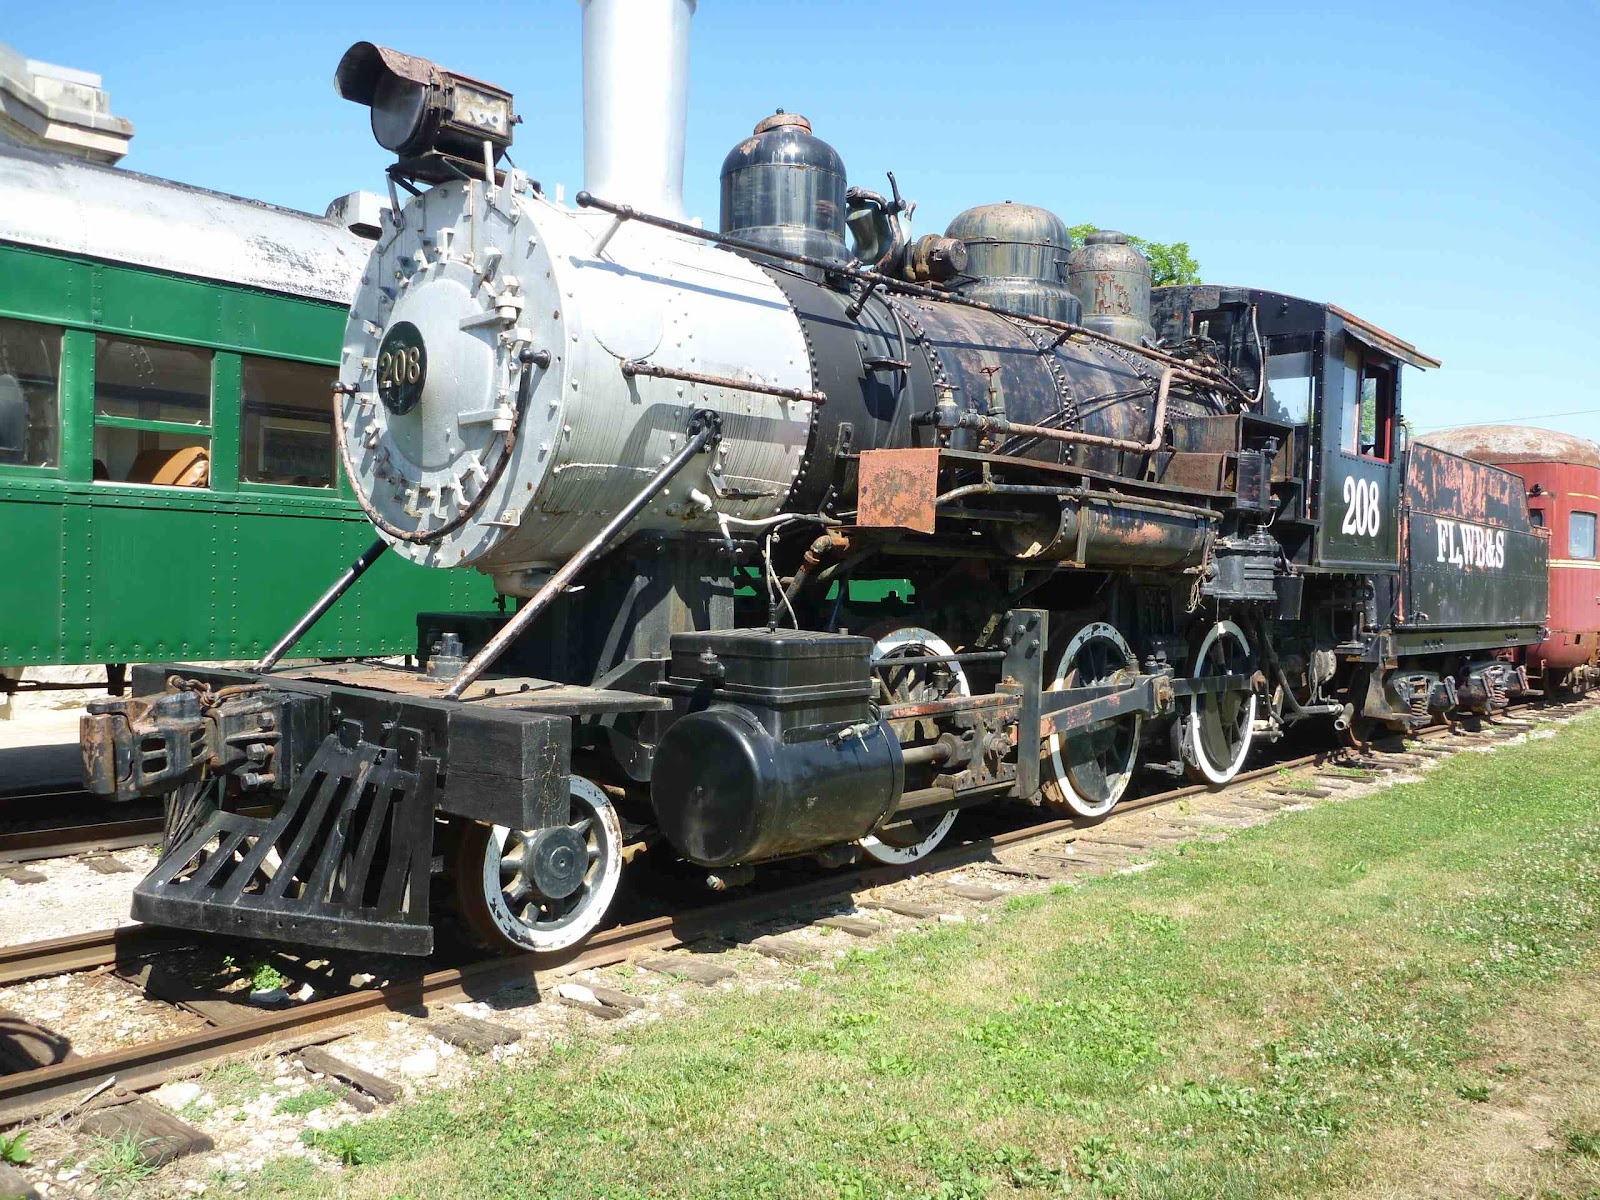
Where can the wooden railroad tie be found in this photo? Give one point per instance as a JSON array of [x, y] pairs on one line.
[[860, 927], [783, 949], [469, 1033], [105, 864], [159, 1136], [606, 1003], [905, 908], [315, 1058], [691, 967]]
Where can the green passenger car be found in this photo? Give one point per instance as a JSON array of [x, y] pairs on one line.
[[168, 488]]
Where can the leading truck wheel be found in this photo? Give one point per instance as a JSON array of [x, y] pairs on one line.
[[542, 890], [1086, 773], [1219, 726], [907, 841]]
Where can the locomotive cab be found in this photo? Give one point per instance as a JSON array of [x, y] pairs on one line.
[[1334, 381]]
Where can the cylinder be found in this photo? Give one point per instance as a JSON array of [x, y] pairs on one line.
[[784, 187], [1017, 258], [635, 101], [1111, 279]]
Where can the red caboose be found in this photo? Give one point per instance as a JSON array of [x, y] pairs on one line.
[[1562, 473]]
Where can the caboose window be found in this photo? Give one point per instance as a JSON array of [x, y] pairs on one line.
[[1580, 535], [287, 428], [152, 412], [30, 393]]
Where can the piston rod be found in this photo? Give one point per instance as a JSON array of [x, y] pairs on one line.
[[328, 599], [704, 430]]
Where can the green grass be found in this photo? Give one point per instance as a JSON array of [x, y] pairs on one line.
[[309, 1101], [117, 1164], [1264, 1016], [229, 1085]]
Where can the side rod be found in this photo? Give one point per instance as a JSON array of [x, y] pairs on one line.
[[318, 610], [703, 431]]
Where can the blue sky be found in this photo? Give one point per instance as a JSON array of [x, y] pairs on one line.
[[1433, 167]]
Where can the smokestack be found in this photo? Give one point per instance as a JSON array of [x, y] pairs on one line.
[[635, 101]]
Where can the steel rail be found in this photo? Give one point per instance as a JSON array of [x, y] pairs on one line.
[[59, 841]]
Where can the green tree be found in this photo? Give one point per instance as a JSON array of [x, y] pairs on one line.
[[1170, 262]]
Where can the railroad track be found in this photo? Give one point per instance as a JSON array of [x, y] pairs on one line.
[[32, 845], [147, 1065]]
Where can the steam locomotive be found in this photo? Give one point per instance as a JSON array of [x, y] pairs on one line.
[[819, 531]]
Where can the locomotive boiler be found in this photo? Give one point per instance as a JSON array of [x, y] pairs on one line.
[[811, 532]]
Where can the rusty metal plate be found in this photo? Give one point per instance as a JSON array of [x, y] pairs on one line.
[[895, 489]]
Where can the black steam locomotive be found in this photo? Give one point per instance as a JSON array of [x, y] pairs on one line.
[[821, 532]]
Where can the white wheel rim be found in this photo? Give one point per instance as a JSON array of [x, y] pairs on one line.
[[908, 638], [1195, 746], [595, 895], [1079, 804]]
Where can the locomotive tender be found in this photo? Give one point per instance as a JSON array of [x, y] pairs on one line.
[[820, 532], [1562, 476]]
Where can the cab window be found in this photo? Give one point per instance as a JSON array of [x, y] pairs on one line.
[[1290, 385], [1367, 416]]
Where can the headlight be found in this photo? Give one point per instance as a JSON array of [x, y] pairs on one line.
[[424, 113]]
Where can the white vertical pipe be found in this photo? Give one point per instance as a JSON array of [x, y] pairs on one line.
[[635, 101]]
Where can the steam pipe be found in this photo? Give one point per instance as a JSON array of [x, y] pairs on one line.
[[637, 366], [987, 424], [704, 429], [1206, 377], [1120, 499], [318, 610]]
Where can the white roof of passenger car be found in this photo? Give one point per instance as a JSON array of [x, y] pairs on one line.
[[62, 204]]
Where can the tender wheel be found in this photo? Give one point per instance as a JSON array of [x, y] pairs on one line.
[[544, 890], [1086, 773], [1219, 726], [910, 839]]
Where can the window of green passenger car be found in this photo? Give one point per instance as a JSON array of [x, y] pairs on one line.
[[286, 427], [30, 393], [152, 412]]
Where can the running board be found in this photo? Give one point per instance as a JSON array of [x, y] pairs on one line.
[[344, 863]]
